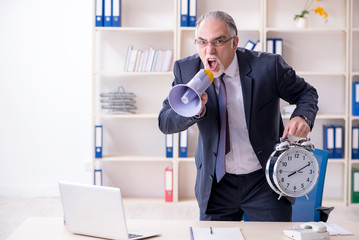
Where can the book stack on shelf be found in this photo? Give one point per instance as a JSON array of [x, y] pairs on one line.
[[118, 101], [149, 60]]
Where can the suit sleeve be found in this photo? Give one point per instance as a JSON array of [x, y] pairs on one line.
[[168, 120], [296, 90]]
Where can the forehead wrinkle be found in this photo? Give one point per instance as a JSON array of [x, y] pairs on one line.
[[219, 37]]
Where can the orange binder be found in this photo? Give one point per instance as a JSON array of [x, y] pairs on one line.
[[168, 185]]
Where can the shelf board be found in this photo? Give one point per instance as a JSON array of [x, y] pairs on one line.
[[133, 29], [123, 73], [354, 117], [306, 30], [128, 116], [354, 161], [187, 159], [118, 158], [355, 73], [336, 160], [323, 116], [300, 73], [190, 29]]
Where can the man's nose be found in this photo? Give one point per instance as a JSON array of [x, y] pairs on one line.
[[210, 49]]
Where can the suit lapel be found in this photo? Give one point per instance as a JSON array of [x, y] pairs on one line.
[[247, 83]]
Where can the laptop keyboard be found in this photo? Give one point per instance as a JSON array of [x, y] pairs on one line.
[[133, 235]]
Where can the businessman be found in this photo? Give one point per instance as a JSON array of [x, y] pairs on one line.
[[239, 122]]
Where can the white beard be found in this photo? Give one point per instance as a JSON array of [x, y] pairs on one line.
[[219, 64]]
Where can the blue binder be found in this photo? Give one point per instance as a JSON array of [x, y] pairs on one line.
[[338, 146], [183, 142], [270, 45], [355, 143], [98, 141], [116, 13], [99, 13], [169, 145], [107, 13], [184, 13], [328, 140], [192, 13], [278, 46], [355, 103], [250, 45], [97, 177]]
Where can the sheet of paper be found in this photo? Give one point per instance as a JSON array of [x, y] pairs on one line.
[[217, 233], [335, 229]]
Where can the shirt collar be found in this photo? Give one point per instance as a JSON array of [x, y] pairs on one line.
[[233, 67]]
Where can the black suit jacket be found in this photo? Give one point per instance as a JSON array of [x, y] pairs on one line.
[[265, 78]]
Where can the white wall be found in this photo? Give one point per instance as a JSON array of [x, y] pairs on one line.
[[45, 95]]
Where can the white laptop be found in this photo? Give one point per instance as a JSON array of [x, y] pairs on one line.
[[96, 211]]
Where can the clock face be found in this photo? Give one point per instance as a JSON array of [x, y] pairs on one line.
[[296, 172]]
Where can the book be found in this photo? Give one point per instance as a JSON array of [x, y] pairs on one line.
[[355, 186], [168, 185]]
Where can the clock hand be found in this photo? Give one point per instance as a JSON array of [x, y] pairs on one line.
[[298, 170]]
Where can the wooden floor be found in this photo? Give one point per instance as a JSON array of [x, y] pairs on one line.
[[13, 211]]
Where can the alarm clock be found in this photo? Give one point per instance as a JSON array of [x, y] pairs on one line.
[[292, 169]]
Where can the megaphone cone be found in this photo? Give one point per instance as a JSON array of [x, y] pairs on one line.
[[185, 99]]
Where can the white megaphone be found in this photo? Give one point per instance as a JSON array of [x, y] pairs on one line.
[[185, 99]]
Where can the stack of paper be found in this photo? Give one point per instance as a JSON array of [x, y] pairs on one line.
[[118, 101]]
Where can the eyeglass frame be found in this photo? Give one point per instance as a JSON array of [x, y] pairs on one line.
[[213, 42]]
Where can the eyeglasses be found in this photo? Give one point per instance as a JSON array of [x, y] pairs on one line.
[[215, 43]]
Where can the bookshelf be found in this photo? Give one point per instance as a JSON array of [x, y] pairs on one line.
[[134, 148], [354, 77]]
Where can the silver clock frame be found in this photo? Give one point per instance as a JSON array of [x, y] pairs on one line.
[[276, 157]]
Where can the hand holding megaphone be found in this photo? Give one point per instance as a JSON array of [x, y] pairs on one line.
[[185, 99]]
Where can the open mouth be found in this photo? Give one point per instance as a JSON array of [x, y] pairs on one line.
[[212, 63]]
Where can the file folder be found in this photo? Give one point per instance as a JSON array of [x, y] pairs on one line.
[[97, 178], [184, 13], [355, 143], [249, 45], [107, 13], [99, 13], [169, 145], [98, 141], [355, 99], [97, 174], [278, 46], [183, 141], [328, 140], [338, 147], [258, 46], [355, 186], [270, 45], [168, 185], [192, 13], [116, 13]]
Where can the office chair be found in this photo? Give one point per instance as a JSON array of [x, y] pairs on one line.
[[306, 210], [309, 210]]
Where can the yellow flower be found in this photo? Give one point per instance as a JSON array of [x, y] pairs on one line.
[[321, 11], [307, 10]]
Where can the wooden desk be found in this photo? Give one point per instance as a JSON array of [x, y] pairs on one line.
[[53, 228]]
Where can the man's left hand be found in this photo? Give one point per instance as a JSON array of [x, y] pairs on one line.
[[297, 127]]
